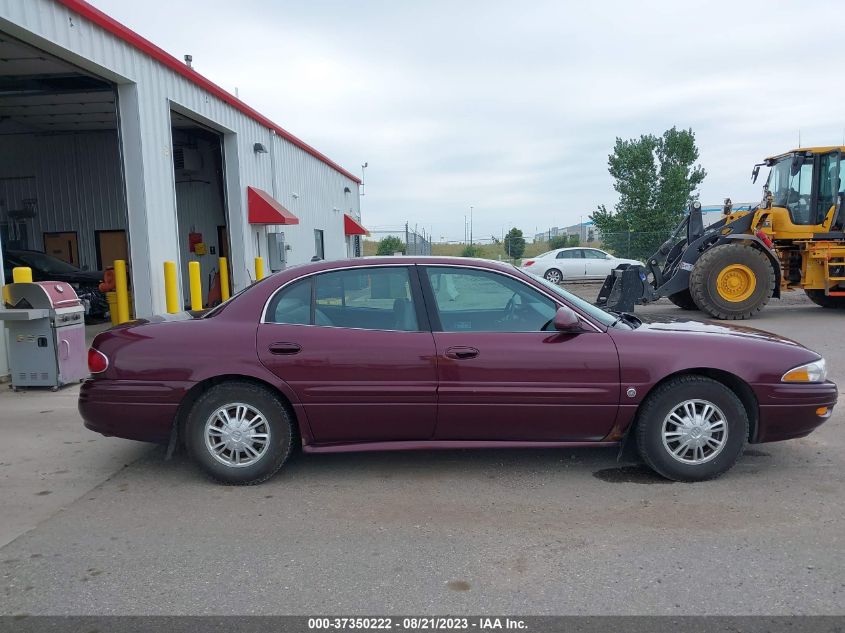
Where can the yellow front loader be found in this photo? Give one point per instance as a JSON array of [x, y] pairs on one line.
[[792, 240]]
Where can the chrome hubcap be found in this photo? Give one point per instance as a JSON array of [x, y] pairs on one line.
[[237, 435], [695, 432], [553, 276]]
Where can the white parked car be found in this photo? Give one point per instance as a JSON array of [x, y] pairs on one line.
[[574, 264]]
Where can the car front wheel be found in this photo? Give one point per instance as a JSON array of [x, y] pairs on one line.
[[239, 432], [553, 275], [691, 428]]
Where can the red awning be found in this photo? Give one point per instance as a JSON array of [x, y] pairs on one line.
[[264, 209], [352, 227]]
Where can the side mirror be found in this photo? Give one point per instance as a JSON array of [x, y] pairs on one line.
[[566, 320]]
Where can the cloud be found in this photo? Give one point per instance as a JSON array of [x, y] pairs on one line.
[[512, 108]]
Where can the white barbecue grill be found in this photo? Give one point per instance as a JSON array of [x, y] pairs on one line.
[[46, 323]]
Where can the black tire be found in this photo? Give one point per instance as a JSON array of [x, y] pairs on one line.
[[821, 299], [279, 426], [663, 401], [552, 274], [704, 281], [683, 300]]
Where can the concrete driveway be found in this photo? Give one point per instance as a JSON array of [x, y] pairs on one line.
[[522, 532]]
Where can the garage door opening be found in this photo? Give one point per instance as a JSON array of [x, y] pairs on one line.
[[61, 176], [200, 203]]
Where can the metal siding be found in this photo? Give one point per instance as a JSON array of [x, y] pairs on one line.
[[146, 152], [76, 180]]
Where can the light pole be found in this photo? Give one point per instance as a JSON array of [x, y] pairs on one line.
[[470, 225], [363, 167]]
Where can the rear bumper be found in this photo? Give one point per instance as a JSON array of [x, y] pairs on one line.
[[788, 411], [131, 409]]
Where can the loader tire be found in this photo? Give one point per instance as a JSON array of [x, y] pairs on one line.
[[821, 299], [683, 300], [732, 281]]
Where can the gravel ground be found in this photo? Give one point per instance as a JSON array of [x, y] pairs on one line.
[[522, 532]]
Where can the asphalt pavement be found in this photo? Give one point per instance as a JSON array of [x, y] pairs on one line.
[[520, 532]]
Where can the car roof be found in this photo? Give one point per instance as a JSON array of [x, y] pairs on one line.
[[392, 260]]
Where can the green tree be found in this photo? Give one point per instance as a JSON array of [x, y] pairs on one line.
[[514, 243], [558, 241], [656, 178], [574, 240], [389, 245], [471, 250]]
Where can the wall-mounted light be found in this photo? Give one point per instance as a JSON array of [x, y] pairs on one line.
[[347, 190], [294, 195], [259, 148], [335, 209]]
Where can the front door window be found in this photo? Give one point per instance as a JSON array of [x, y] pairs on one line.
[[478, 301]]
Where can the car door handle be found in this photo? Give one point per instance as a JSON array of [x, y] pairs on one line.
[[284, 348], [461, 353]]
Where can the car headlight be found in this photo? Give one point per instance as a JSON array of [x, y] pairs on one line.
[[811, 372]]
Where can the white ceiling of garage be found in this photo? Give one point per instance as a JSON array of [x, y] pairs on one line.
[[40, 93]]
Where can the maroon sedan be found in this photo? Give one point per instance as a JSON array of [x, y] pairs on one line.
[[410, 353]]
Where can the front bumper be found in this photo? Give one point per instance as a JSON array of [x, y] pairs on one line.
[[789, 410]]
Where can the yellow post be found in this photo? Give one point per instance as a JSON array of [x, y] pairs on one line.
[[121, 287], [171, 295], [22, 275], [259, 268], [224, 279], [196, 285], [111, 298]]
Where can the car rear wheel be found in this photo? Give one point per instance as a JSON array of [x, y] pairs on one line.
[[553, 275], [691, 428], [239, 432]]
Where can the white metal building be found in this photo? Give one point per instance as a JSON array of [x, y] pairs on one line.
[[111, 148]]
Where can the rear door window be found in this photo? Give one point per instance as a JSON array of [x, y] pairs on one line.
[[291, 305], [366, 298], [574, 254]]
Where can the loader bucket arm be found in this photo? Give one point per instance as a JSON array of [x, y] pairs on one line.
[[628, 285]]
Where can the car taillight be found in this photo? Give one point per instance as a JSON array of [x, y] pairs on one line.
[[97, 361], [530, 262]]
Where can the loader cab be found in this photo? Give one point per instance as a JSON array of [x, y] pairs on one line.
[[803, 192]]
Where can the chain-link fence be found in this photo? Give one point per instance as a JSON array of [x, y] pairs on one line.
[[414, 243], [637, 245]]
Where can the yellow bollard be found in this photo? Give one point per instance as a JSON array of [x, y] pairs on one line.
[[122, 289], [224, 279], [22, 275], [195, 283], [259, 268], [111, 298], [171, 295]]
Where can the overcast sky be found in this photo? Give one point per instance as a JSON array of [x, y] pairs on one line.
[[513, 107]]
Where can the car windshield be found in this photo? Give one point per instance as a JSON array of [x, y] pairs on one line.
[[605, 318], [45, 263]]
